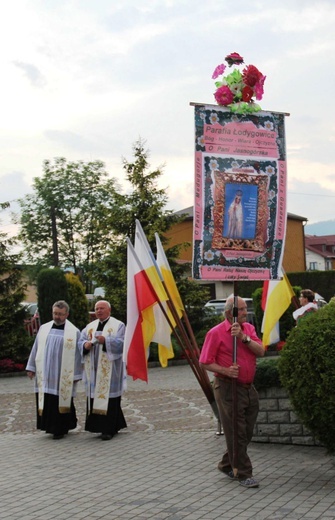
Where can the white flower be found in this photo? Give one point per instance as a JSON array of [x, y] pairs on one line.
[[209, 255], [201, 141], [213, 164], [268, 125], [270, 170], [214, 118]]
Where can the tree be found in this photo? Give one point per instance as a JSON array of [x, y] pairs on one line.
[[51, 287], [66, 221], [146, 203], [14, 341], [77, 301]]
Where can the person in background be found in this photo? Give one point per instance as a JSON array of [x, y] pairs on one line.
[[101, 343], [216, 356], [308, 305], [55, 362]]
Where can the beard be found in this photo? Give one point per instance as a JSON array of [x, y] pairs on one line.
[[59, 321]]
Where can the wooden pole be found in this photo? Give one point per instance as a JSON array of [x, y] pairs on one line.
[[190, 350], [234, 388]]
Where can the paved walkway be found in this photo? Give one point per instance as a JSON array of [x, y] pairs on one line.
[[162, 467]]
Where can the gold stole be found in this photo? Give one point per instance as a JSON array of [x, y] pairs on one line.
[[104, 368], [67, 367]]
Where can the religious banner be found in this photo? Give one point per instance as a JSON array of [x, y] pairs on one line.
[[240, 194]]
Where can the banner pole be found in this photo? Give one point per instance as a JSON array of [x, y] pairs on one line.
[[234, 387]]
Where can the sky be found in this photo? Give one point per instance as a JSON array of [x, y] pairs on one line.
[[84, 79]]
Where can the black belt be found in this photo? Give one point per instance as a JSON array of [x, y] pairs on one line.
[[229, 379]]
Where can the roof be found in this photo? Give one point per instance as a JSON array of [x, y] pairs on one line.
[[327, 240], [324, 254]]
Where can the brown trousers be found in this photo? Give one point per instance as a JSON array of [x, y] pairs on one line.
[[247, 411]]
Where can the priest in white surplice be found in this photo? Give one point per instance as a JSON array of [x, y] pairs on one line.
[[104, 374], [56, 361]]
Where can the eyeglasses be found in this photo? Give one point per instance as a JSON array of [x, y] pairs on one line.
[[60, 314]]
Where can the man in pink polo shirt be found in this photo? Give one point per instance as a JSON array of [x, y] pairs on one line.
[[217, 356]]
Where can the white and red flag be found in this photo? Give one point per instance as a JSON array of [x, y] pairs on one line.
[[141, 299]]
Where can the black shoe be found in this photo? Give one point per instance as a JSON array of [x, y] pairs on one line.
[[106, 437], [56, 437]]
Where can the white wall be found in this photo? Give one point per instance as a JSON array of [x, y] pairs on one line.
[[314, 257]]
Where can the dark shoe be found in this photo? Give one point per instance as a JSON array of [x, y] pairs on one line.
[[249, 482], [231, 475], [106, 437], [56, 437]]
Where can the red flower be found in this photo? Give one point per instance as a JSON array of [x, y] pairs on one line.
[[247, 93], [218, 71], [251, 75], [234, 58], [259, 88], [224, 96]]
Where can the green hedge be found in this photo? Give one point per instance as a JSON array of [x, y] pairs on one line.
[[267, 374], [307, 371]]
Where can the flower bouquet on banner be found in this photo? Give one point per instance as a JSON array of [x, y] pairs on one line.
[[238, 90]]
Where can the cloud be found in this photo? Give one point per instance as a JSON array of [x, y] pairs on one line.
[[13, 186], [68, 140], [89, 78], [32, 73]]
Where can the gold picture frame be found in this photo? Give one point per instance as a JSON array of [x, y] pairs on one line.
[[257, 243]]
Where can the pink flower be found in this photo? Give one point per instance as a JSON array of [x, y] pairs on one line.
[[224, 96], [251, 75], [234, 58], [247, 93], [259, 90], [218, 71]]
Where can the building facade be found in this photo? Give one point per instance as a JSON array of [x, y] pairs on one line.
[[320, 252]]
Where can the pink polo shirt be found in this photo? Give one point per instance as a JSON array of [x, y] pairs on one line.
[[218, 348]]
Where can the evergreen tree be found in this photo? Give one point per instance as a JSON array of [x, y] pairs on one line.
[[146, 202], [51, 287], [14, 341], [77, 301]]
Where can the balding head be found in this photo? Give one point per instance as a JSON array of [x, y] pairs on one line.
[[102, 310]]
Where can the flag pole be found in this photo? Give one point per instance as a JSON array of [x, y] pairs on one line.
[[191, 350], [234, 387], [191, 358]]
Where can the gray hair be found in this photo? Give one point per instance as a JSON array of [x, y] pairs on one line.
[[103, 301], [61, 304], [229, 303]]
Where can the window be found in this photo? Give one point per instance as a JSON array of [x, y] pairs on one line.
[[313, 266]]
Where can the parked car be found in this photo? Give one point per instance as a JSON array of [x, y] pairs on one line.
[[217, 307], [320, 301], [31, 308], [32, 323]]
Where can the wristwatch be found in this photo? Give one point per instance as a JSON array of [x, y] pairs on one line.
[[246, 339]]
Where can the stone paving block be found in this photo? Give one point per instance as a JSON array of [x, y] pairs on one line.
[[163, 467]]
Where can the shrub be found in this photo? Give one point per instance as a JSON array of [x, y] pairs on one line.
[[77, 301], [267, 374], [51, 287], [7, 365], [307, 371]]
